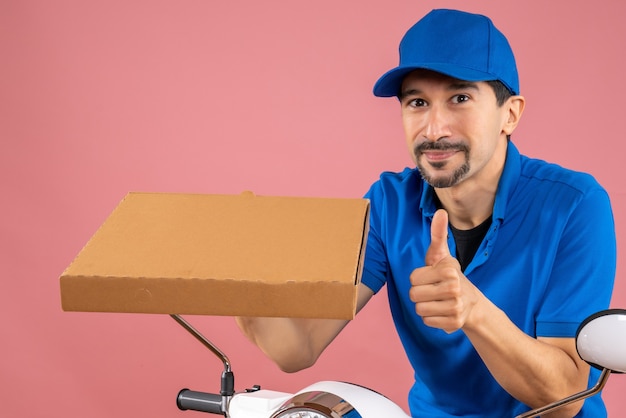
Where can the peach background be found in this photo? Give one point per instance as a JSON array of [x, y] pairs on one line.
[[98, 98]]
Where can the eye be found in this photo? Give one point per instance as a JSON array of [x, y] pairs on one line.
[[416, 103], [460, 98]]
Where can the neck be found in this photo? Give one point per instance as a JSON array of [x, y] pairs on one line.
[[466, 208]]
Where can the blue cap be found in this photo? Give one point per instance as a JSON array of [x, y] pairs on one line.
[[461, 45]]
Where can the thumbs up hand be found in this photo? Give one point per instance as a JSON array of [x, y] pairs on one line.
[[443, 296]]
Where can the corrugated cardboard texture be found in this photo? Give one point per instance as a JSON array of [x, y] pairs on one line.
[[240, 255]]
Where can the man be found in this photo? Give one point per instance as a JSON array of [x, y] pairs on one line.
[[491, 259]]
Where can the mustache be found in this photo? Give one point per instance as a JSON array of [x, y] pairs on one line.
[[439, 146]]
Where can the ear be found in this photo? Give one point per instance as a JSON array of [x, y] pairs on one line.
[[515, 107]]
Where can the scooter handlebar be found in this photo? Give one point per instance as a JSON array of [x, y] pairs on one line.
[[200, 401]]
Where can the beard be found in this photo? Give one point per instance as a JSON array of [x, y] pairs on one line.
[[429, 174]]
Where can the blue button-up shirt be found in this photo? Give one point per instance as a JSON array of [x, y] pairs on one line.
[[547, 260]]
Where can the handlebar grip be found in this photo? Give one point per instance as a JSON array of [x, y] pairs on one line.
[[199, 401]]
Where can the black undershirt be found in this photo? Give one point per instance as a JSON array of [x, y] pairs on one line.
[[468, 240]]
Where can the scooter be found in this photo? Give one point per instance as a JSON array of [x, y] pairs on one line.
[[600, 341]]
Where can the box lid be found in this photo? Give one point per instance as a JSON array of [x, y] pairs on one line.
[[240, 255]]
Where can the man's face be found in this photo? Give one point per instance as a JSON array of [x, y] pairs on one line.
[[454, 128]]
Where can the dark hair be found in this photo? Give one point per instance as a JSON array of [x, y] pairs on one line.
[[501, 91]]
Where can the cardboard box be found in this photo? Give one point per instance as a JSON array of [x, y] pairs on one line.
[[239, 255]]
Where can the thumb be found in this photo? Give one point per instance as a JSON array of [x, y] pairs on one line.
[[438, 238]]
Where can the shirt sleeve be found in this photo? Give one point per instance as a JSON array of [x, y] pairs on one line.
[[583, 273]]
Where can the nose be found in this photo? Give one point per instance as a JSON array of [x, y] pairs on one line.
[[436, 124]]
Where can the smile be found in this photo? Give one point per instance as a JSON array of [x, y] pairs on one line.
[[440, 151], [439, 155]]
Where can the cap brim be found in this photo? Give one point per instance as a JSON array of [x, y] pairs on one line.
[[390, 83]]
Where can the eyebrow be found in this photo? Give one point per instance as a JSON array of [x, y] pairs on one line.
[[454, 86], [462, 85]]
